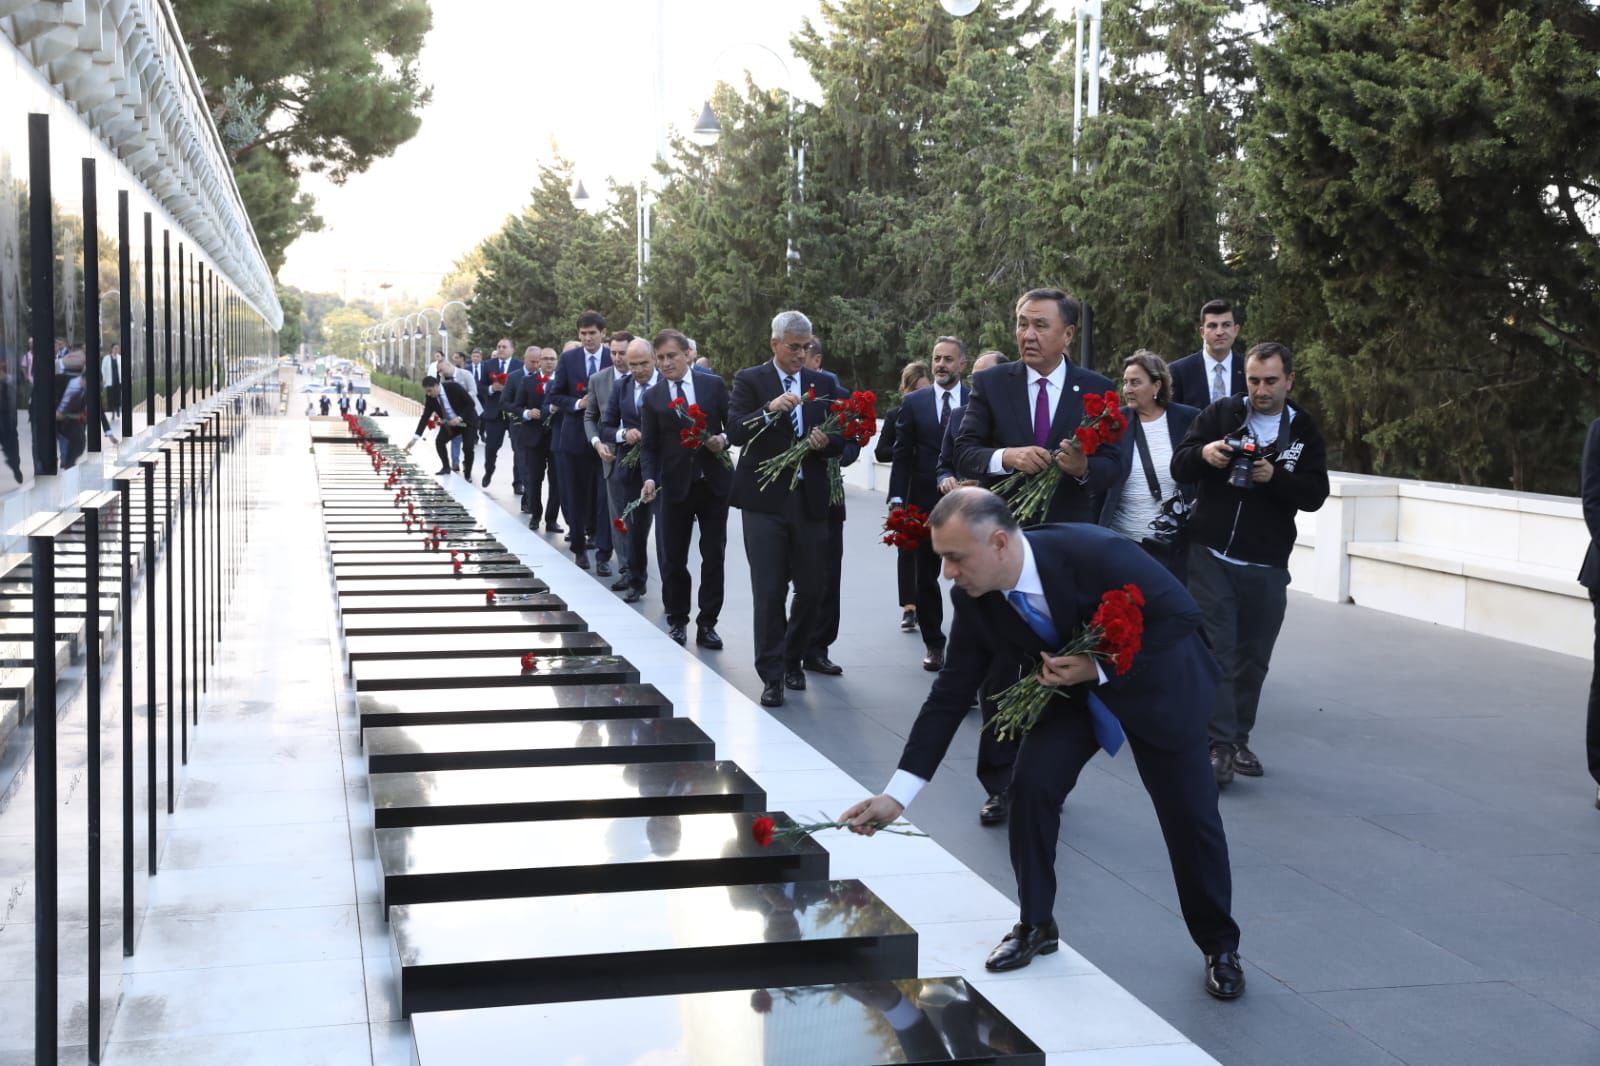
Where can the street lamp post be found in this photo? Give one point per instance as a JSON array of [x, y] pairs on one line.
[[444, 331]]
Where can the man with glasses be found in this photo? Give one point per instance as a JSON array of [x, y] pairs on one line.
[[774, 405], [1215, 372]]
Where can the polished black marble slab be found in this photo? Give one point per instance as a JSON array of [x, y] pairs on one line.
[[499, 626], [410, 544], [878, 1023], [440, 863], [373, 675], [497, 952], [414, 555], [436, 569], [611, 790], [511, 601], [547, 704], [421, 646], [485, 745], [476, 584]]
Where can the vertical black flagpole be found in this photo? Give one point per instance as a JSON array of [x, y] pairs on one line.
[[91, 306]]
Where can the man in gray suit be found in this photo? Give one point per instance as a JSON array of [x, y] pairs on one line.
[[600, 386]]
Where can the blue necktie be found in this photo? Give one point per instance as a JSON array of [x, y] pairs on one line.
[[1107, 730], [592, 361]]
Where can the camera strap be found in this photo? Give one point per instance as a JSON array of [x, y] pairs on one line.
[[1144, 459]]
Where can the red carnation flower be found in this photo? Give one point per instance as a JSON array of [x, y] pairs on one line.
[[619, 525], [761, 1001], [528, 660], [1094, 405], [1087, 439], [456, 566], [761, 830], [488, 596]]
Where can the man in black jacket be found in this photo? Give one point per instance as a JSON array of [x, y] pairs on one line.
[[1240, 537], [776, 404], [1589, 577], [457, 418]]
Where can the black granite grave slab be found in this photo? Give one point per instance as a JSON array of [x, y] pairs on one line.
[[440, 863], [409, 544], [434, 571], [489, 953], [421, 646], [377, 675], [455, 797], [414, 555], [436, 601], [475, 584], [880, 1023], [493, 625], [547, 704], [392, 749]]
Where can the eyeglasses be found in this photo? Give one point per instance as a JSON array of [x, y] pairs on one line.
[[796, 349]]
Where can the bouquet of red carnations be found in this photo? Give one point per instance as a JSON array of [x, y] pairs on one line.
[[906, 528], [694, 434], [854, 417], [1113, 635], [1029, 495]]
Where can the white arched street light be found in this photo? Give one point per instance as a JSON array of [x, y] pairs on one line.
[[959, 8]]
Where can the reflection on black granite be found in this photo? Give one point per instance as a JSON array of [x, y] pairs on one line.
[[506, 621], [448, 646], [380, 674], [458, 747], [876, 1023], [511, 704]]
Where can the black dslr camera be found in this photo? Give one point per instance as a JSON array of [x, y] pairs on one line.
[[1244, 450], [1165, 536]]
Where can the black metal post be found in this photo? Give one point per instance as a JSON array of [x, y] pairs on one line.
[[166, 312], [42, 290], [151, 712], [185, 488], [46, 1008], [171, 519], [91, 305], [125, 311], [91, 673], [125, 488]]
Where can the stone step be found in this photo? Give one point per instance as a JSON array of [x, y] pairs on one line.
[[879, 1023], [376, 675], [20, 653], [449, 646], [455, 797], [392, 749], [554, 703], [515, 599], [491, 953], [441, 863]]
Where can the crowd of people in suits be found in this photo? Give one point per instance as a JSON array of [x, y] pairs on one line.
[[1195, 506]]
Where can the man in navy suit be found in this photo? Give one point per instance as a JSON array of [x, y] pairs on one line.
[[945, 474], [583, 496], [692, 486], [621, 428], [913, 478], [1589, 577], [826, 629], [785, 520], [1216, 371], [490, 396], [530, 435], [1018, 596], [1022, 415]]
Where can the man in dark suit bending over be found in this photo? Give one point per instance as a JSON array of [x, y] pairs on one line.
[[457, 419], [1017, 598], [1021, 415]]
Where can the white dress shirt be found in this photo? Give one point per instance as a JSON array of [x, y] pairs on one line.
[[1054, 389]]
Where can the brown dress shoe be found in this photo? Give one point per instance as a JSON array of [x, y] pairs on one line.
[[933, 662], [1245, 763]]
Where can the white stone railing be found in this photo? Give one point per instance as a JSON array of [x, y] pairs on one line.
[[1488, 561], [123, 66]]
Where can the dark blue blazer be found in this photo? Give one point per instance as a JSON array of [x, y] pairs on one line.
[[1590, 574], [492, 400], [947, 448], [572, 370], [760, 439], [620, 413], [528, 392], [1190, 384], [999, 414], [1179, 418], [918, 437], [665, 460], [1165, 698]]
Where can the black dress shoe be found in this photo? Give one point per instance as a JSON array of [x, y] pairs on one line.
[[1225, 975], [619, 584], [1222, 763], [525, 509], [533, 523], [602, 569], [1597, 799], [442, 470], [456, 468], [821, 664], [933, 662], [995, 809], [706, 637], [1245, 763], [466, 471], [772, 694], [486, 479], [795, 679], [582, 559], [552, 527], [1022, 944], [633, 595], [677, 632], [516, 487]]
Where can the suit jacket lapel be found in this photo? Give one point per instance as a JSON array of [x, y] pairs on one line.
[[1019, 396], [1069, 412]]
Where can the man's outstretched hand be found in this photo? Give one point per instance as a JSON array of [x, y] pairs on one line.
[[866, 816]]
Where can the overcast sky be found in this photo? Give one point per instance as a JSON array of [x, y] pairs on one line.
[[513, 81]]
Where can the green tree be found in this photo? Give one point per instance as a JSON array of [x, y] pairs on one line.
[[304, 85], [341, 331], [1428, 171], [293, 333]]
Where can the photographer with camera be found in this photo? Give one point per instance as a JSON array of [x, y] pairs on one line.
[[1257, 461], [1146, 505]]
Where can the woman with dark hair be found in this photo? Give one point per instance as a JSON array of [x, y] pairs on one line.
[[913, 376], [1157, 425]]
